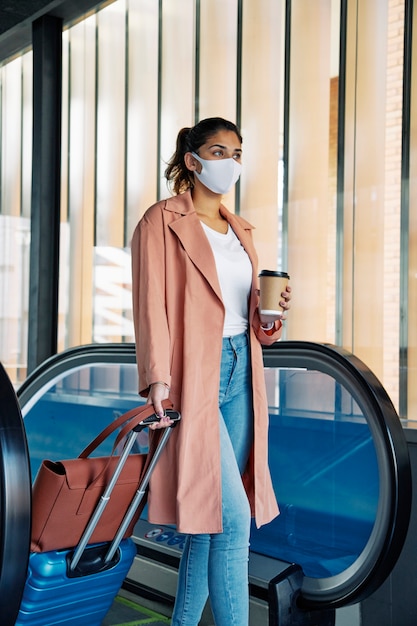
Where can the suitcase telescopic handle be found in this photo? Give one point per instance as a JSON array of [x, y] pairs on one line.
[[130, 440], [139, 495]]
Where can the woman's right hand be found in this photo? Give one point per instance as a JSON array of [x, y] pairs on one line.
[[159, 391]]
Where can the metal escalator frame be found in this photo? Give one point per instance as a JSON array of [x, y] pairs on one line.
[[375, 562], [384, 545]]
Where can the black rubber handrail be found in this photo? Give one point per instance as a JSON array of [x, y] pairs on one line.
[[73, 358], [15, 503]]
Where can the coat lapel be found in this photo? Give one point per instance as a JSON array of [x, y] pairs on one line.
[[189, 231], [191, 234]]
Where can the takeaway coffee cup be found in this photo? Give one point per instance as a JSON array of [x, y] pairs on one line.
[[272, 284]]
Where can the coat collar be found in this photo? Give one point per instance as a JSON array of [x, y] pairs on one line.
[[190, 232], [183, 203]]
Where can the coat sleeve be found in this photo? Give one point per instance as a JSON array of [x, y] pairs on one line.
[[149, 305], [266, 338]]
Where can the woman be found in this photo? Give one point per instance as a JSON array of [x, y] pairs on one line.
[[198, 339]]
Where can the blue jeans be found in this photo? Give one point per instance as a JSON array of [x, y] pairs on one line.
[[217, 564]]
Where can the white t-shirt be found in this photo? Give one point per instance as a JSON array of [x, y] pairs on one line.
[[234, 271]]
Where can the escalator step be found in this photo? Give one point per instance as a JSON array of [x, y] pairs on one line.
[[124, 612]]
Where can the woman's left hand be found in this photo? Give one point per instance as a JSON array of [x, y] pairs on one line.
[[285, 302]]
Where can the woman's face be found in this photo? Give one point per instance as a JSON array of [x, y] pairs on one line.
[[224, 144]]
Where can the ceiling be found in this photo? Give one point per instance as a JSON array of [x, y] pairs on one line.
[[16, 17]]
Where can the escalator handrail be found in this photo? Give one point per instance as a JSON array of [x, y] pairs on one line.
[[60, 364], [15, 503]]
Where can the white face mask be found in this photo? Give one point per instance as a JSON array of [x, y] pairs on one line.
[[218, 175]]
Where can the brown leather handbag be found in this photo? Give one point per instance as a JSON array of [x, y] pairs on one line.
[[65, 493]]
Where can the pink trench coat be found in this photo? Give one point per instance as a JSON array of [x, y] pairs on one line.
[[178, 315]]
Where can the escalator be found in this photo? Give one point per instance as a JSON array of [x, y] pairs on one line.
[[338, 458]]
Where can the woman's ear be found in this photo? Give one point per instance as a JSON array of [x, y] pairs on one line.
[[191, 163]]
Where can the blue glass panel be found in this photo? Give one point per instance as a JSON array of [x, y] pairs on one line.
[[74, 409], [325, 475]]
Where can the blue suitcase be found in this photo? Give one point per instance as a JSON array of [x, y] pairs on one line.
[[53, 596], [78, 586]]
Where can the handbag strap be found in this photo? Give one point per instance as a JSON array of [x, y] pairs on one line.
[[133, 417]]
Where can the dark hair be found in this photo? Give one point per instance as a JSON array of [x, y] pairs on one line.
[[191, 140]]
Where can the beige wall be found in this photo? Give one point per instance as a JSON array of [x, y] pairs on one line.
[[120, 120]]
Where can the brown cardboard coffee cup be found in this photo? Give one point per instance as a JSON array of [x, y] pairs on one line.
[[272, 284]]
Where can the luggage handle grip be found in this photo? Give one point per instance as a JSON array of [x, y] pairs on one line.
[[153, 419]]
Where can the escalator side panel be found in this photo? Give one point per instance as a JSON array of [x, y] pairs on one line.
[[15, 503]]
